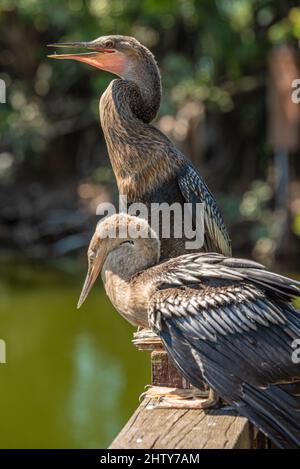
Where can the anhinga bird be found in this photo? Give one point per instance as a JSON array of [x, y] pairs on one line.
[[147, 165], [226, 320]]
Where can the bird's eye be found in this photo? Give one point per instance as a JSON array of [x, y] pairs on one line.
[[127, 241], [108, 44]]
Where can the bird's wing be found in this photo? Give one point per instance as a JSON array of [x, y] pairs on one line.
[[202, 268], [194, 190], [236, 336]]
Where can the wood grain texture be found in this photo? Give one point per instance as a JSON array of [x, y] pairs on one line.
[[183, 428], [164, 373]]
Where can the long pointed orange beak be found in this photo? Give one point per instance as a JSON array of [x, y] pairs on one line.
[[109, 60], [94, 270]]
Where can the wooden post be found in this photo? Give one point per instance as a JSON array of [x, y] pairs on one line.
[[158, 428], [163, 372]]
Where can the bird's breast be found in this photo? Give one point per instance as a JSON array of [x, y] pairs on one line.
[[129, 302]]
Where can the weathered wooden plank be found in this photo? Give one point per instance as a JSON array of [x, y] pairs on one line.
[[159, 428], [183, 428]]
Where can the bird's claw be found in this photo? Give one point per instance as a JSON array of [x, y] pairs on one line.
[[167, 397]]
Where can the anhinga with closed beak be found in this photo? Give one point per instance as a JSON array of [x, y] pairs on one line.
[[147, 165], [227, 320]]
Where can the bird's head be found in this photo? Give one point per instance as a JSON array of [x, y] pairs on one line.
[[121, 242], [121, 55]]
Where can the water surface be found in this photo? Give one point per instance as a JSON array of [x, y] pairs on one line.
[[72, 377]]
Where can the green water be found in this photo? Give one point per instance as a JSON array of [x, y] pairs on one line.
[[72, 378]]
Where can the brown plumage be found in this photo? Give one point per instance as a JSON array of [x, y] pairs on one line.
[[147, 165], [226, 320]]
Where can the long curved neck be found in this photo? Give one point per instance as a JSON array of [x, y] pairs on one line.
[[136, 148], [126, 293], [147, 94], [139, 90], [144, 74]]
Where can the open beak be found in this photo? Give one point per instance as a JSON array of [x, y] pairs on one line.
[[110, 60], [92, 274]]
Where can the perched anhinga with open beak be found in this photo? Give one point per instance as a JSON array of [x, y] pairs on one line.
[[226, 320], [147, 165]]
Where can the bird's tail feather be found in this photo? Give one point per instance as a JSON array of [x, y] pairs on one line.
[[276, 411]]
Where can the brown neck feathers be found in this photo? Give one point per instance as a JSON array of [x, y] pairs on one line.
[[136, 148]]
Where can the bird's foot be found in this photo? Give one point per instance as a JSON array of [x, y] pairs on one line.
[[161, 392], [177, 398]]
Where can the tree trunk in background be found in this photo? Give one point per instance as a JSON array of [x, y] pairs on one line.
[[284, 119]]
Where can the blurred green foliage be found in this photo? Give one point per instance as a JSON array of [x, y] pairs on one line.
[[215, 52]]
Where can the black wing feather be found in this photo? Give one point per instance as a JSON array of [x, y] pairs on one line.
[[235, 330], [194, 190]]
